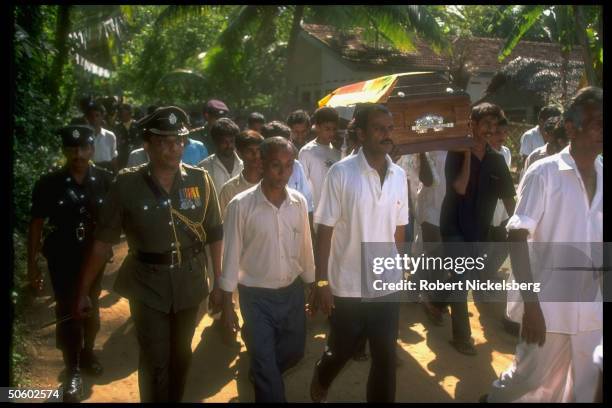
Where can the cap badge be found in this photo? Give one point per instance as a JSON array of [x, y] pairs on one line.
[[172, 119], [76, 134]]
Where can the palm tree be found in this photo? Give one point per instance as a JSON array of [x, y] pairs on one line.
[[398, 25], [565, 25]]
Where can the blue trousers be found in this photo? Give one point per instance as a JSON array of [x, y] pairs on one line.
[[274, 332]]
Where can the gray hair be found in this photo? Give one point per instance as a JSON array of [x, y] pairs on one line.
[[591, 95]]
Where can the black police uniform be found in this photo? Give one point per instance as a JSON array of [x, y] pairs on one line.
[[163, 276], [71, 210]]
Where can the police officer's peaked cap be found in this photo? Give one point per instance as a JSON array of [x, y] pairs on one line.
[[166, 121], [217, 107], [77, 135]]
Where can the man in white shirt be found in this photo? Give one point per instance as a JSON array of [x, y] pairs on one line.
[[247, 146], [268, 256], [560, 201], [298, 180], [318, 155], [364, 199], [105, 142], [532, 139], [224, 163], [555, 138]]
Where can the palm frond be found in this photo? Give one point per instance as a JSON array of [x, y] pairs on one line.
[[527, 16], [177, 13]]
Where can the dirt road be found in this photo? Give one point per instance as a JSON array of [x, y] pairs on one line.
[[430, 370]]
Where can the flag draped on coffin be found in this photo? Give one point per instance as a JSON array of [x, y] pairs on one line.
[[375, 90]]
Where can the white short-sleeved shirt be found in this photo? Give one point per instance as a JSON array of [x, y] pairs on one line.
[[316, 160], [553, 207], [265, 246], [360, 211], [531, 140], [105, 144], [500, 213], [429, 199], [218, 172]]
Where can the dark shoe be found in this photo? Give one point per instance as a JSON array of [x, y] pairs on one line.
[[483, 399], [317, 392], [90, 364], [360, 356], [464, 347], [434, 313], [73, 388]]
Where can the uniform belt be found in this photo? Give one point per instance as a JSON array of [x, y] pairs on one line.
[[167, 258]]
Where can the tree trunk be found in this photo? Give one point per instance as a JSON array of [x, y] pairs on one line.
[[564, 68], [298, 13], [584, 42], [61, 45]]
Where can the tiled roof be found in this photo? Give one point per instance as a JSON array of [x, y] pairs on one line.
[[481, 52]]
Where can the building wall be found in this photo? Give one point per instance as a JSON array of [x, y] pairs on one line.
[[478, 85], [320, 72]]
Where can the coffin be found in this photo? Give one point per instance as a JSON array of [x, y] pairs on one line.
[[427, 113]]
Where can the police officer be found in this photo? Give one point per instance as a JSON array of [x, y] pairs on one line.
[[168, 211], [69, 198]]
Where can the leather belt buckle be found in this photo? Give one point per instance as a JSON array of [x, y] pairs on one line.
[[174, 258], [80, 233]]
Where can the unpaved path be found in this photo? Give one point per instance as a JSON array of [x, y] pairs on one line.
[[430, 370]]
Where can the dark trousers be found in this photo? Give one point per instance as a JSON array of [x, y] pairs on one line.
[[165, 351], [350, 321], [457, 300], [274, 332], [72, 335]]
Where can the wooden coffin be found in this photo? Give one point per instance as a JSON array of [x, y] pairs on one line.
[[428, 115]]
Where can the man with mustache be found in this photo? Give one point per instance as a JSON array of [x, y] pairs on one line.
[[169, 212], [70, 198], [475, 180], [364, 199], [560, 202]]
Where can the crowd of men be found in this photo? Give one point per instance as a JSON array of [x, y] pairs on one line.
[[279, 211]]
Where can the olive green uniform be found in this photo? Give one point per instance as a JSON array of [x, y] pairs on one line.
[[163, 275]]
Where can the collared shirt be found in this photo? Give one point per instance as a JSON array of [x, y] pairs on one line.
[[105, 144], [360, 210], [553, 206], [218, 172], [68, 205], [230, 189], [429, 199], [411, 164], [194, 152], [266, 246], [317, 159], [150, 226], [500, 213], [469, 215], [531, 140], [539, 153], [299, 182]]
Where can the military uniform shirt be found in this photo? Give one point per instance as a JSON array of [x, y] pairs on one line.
[[58, 198], [150, 227]]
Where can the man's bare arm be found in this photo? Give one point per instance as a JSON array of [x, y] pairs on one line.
[[425, 173], [509, 205]]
